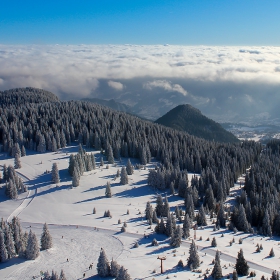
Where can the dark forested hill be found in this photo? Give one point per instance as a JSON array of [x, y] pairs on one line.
[[110, 103], [189, 119], [26, 95]]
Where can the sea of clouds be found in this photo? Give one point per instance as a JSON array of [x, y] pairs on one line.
[[212, 78]]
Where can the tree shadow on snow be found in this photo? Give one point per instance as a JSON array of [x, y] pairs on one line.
[[160, 250], [134, 192]]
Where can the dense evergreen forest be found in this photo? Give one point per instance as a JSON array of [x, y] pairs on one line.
[[49, 124]]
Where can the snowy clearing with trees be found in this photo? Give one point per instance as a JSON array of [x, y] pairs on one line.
[[76, 221]]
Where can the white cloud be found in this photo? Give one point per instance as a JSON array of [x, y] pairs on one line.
[[168, 86], [76, 69], [116, 85]]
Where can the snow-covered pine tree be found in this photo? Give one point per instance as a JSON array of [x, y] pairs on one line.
[[17, 163], [103, 266], [108, 192], [123, 274], [46, 238], [114, 268], [176, 238], [234, 275], [189, 206], [23, 151], [154, 217], [168, 226], [217, 269], [54, 275], [3, 250], [166, 208], [159, 206], [129, 168], [275, 275], [55, 174], [62, 275], [186, 227], [124, 177], [241, 265], [149, 211], [9, 241], [93, 161], [201, 217], [214, 242], [75, 179], [266, 227], [32, 248], [193, 260], [110, 155], [242, 223], [11, 190], [221, 221]]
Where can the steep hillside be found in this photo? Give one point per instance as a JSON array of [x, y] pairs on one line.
[[189, 119], [110, 103], [26, 95]]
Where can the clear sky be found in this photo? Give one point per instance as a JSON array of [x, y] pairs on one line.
[[188, 22]]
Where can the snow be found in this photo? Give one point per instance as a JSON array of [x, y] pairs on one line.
[[78, 234]]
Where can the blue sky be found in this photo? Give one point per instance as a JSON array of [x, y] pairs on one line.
[[207, 22]]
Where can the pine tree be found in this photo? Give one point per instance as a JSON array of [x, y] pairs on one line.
[[124, 177], [166, 208], [271, 253], [176, 238], [23, 151], [108, 190], [234, 275], [275, 275], [10, 245], [159, 206], [93, 161], [55, 174], [217, 269], [123, 274], [241, 265], [17, 163], [62, 275], [221, 221], [129, 168], [32, 249], [54, 275], [46, 239], [186, 226], [103, 266], [149, 211], [242, 223], [114, 269], [3, 250], [154, 218], [201, 217], [75, 178], [266, 227], [169, 227], [214, 242], [110, 155], [193, 260]]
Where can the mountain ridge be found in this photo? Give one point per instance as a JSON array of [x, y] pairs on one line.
[[189, 119]]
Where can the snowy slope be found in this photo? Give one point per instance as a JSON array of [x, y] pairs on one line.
[[69, 214]]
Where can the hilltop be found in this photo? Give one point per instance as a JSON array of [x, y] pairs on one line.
[[191, 120]]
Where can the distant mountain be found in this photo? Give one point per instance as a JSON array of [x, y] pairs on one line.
[[18, 96], [111, 104], [189, 119]]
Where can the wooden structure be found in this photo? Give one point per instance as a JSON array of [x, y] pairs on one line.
[[161, 265]]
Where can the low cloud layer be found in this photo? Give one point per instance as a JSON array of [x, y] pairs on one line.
[[204, 76]]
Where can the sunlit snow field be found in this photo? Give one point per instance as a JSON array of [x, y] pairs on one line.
[[78, 234]]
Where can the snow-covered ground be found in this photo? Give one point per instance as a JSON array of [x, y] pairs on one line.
[[78, 234]]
